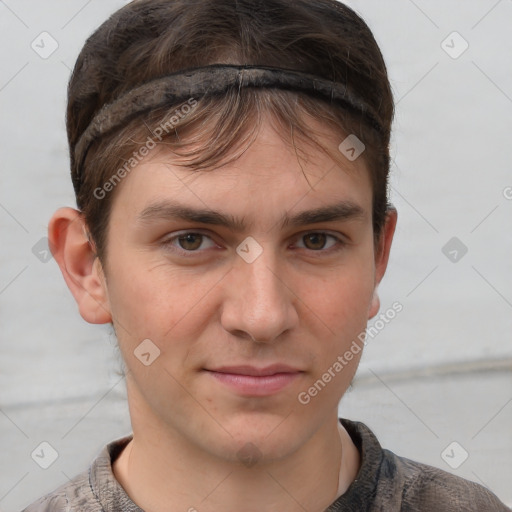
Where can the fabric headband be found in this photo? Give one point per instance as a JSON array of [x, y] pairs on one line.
[[203, 81]]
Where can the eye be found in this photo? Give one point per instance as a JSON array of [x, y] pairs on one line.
[[192, 243], [188, 242], [316, 241]]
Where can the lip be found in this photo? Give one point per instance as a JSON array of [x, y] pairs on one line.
[[252, 381], [254, 371]]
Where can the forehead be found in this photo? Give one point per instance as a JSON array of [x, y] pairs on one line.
[[270, 177]]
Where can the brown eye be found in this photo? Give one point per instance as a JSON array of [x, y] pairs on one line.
[[189, 244], [315, 241], [322, 243], [191, 241]]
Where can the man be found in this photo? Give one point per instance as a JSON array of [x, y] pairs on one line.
[[230, 161]]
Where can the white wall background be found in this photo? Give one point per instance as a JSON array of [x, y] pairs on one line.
[[440, 372]]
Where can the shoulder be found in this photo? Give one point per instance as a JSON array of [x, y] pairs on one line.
[[74, 495], [389, 482], [91, 490], [425, 487]]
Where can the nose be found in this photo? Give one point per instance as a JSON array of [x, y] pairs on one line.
[[258, 303]]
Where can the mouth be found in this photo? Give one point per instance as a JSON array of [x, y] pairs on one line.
[[253, 381]]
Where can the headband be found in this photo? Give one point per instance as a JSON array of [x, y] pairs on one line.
[[209, 80]]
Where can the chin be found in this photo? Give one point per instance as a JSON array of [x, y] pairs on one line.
[[259, 438]]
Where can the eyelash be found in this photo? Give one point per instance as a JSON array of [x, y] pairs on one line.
[[167, 243]]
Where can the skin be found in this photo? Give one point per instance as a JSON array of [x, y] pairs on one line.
[[300, 303]]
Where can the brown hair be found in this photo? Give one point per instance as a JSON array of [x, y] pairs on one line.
[[149, 39]]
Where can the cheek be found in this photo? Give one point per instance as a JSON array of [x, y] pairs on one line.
[[151, 299], [341, 305], [341, 302], [136, 289], [157, 302]]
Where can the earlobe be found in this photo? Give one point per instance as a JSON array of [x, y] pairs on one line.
[[374, 305], [382, 257], [79, 265]]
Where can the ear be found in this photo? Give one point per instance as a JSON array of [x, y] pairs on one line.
[[382, 256], [81, 268]]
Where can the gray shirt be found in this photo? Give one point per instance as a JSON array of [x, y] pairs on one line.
[[384, 483]]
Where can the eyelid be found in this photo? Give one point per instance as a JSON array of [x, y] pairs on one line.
[[341, 241], [168, 239]]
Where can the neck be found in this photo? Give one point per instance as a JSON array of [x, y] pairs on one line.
[[160, 467]]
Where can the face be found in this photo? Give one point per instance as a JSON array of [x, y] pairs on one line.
[[246, 305]]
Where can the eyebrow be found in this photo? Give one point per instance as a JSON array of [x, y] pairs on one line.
[[165, 210]]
